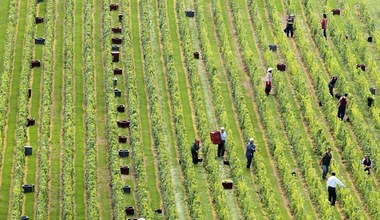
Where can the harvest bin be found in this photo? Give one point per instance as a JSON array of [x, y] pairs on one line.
[[281, 67], [227, 184], [122, 139], [116, 30], [190, 13], [123, 124], [272, 47], [336, 11], [361, 66], [117, 71], [372, 90], [115, 48], [116, 40], [124, 170], [28, 150], [35, 63], [121, 108], [38, 20], [29, 92], [25, 217], [115, 56], [123, 153], [215, 137], [130, 210], [116, 91], [30, 122], [28, 188], [40, 40], [114, 7], [196, 55], [127, 189]]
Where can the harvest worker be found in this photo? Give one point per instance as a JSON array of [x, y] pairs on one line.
[[324, 25], [289, 25], [331, 186], [221, 146], [251, 148], [332, 85], [195, 150], [268, 81], [325, 162], [367, 164], [342, 106]]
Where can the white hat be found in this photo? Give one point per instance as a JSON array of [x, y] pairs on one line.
[[251, 139], [222, 128], [269, 69], [291, 15]]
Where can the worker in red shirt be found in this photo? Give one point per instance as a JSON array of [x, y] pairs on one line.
[[324, 25]]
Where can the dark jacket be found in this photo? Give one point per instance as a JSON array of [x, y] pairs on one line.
[[251, 148], [326, 159], [195, 148]]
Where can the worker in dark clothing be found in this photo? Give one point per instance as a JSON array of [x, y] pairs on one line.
[[367, 164], [324, 25], [251, 148], [332, 85], [342, 106], [289, 30], [222, 145], [195, 150], [331, 187], [325, 162]]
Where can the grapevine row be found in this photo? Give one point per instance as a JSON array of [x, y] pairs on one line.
[[134, 117], [22, 114], [210, 164], [188, 170], [69, 116], [155, 111], [301, 88], [90, 111], [353, 51], [242, 188], [7, 69], [46, 101], [347, 202], [292, 191], [353, 156], [114, 166], [361, 129], [316, 129]]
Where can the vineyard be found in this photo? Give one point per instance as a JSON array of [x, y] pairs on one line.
[[102, 100]]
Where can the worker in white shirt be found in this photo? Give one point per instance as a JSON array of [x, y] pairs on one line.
[[332, 181], [221, 146]]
